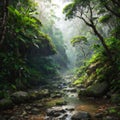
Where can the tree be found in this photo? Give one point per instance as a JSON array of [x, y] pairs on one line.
[[4, 5], [85, 10], [82, 48], [112, 5], [22, 35]]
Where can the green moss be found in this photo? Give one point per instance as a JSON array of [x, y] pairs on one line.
[[91, 78], [54, 102], [79, 80]]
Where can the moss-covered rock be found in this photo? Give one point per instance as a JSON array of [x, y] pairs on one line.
[[20, 97], [5, 103], [81, 116], [92, 68], [95, 90], [54, 102], [38, 94]]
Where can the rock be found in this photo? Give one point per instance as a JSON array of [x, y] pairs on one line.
[[92, 67], [39, 94], [70, 109], [81, 86], [20, 97], [33, 95], [12, 118], [81, 116], [70, 90], [115, 98], [35, 111], [95, 90], [60, 103], [63, 117], [99, 115], [5, 103], [39, 105], [55, 111], [28, 107], [56, 95], [62, 85], [24, 113]]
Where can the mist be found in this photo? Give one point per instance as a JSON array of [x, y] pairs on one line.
[[69, 28]]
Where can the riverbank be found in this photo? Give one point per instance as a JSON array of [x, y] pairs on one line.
[[58, 101]]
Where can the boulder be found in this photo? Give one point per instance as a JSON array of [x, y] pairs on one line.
[[95, 90], [98, 115], [63, 117], [20, 97], [70, 90], [39, 94], [35, 111], [55, 111], [81, 116], [5, 103]]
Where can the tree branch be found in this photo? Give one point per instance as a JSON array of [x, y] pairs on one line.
[[112, 11], [117, 3], [87, 23]]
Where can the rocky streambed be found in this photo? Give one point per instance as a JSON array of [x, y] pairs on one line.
[[57, 101]]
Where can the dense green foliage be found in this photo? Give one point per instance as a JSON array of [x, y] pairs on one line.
[[82, 49], [103, 17], [78, 40], [22, 41], [32, 46]]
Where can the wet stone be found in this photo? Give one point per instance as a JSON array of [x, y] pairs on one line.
[[24, 113], [63, 117], [26, 117], [28, 108], [70, 109], [56, 95], [35, 111], [99, 115], [70, 90], [56, 114], [38, 105], [61, 103], [12, 118], [81, 116], [54, 111]]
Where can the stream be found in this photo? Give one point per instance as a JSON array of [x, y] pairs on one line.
[[74, 103], [62, 104]]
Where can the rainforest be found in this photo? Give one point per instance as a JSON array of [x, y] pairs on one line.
[[60, 60]]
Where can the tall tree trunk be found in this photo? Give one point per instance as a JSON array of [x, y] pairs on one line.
[[91, 24], [4, 20], [102, 41]]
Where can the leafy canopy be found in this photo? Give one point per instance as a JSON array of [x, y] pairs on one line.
[[78, 40]]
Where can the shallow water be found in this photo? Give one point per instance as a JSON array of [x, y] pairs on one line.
[[79, 104]]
